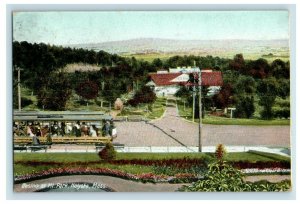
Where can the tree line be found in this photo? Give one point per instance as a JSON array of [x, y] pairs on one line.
[[244, 80], [43, 73]]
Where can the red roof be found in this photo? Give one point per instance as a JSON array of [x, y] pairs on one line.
[[212, 78], [164, 79], [208, 79]]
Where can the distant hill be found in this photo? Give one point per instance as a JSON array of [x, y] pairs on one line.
[[197, 47]]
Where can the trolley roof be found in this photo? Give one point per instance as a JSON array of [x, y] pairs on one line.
[[61, 116]]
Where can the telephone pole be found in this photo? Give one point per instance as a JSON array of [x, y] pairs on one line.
[[200, 111], [19, 86], [194, 93]]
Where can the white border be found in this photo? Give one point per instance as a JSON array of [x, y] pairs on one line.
[[6, 188]]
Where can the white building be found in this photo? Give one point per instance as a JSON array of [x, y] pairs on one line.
[[168, 83]]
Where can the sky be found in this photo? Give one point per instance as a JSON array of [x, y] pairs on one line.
[[65, 28]]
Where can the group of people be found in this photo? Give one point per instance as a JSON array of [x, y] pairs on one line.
[[55, 128]]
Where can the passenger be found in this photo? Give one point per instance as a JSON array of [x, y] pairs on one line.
[[37, 130], [77, 129], [35, 140], [113, 129], [106, 128], [63, 128], [29, 130], [93, 131], [15, 129], [54, 129], [84, 129]]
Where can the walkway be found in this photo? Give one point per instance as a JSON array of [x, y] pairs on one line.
[[116, 184], [172, 130]]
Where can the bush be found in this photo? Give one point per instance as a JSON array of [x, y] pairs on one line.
[[282, 113], [118, 104], [222, 176], [220, 152], [145, 95], [108, 152], [245, 107]]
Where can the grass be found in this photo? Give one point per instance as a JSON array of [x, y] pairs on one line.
[[158, 109], [252, 156], [215, 120], [67, 158]]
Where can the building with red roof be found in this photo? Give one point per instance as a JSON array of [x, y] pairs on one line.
[[168, 83]]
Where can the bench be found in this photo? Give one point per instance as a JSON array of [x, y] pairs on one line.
[[117, 146], [34, 148], [20, 147]]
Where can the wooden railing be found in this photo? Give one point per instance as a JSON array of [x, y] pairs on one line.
[[64, 140]]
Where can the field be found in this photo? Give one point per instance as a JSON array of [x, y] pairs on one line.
[[149, 57]]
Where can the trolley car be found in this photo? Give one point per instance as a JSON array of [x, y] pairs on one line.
[[60, 127]]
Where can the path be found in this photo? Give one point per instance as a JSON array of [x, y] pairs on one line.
[[172, 130], [121, 185], [117, 184]]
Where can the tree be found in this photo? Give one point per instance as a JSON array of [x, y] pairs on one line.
[[157, 63], [145, 95], [224, 98], [55, 92], [87, 90], [245, 107], [280, 69], [238, 63], [259, 69], [244, 89], [267, 92], [283, 90]]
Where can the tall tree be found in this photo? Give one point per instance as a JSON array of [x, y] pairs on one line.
[[267, 92], [55, 92]]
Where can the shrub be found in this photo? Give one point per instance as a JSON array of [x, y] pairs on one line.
[[108, 152], [245, 107], [145, 95], [282, 113], [222, 176], [118, 104], [220, 152]]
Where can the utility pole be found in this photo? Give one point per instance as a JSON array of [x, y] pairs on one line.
[[194, 93], [19, 86], [200, 111]]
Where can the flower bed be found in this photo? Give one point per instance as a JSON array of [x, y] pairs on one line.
[[261, 165], [146, 177], [180, 163]]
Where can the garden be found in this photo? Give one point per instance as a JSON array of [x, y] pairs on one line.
[[191, 169]]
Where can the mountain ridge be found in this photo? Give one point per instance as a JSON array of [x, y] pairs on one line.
[[160, 45]]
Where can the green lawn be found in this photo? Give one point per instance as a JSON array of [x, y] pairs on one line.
[[67, 158], [214, 120], [158, 109]]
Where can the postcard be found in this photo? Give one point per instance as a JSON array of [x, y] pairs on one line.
[[151, 101]]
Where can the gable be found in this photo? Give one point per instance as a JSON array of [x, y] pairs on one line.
[[181, 78]]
